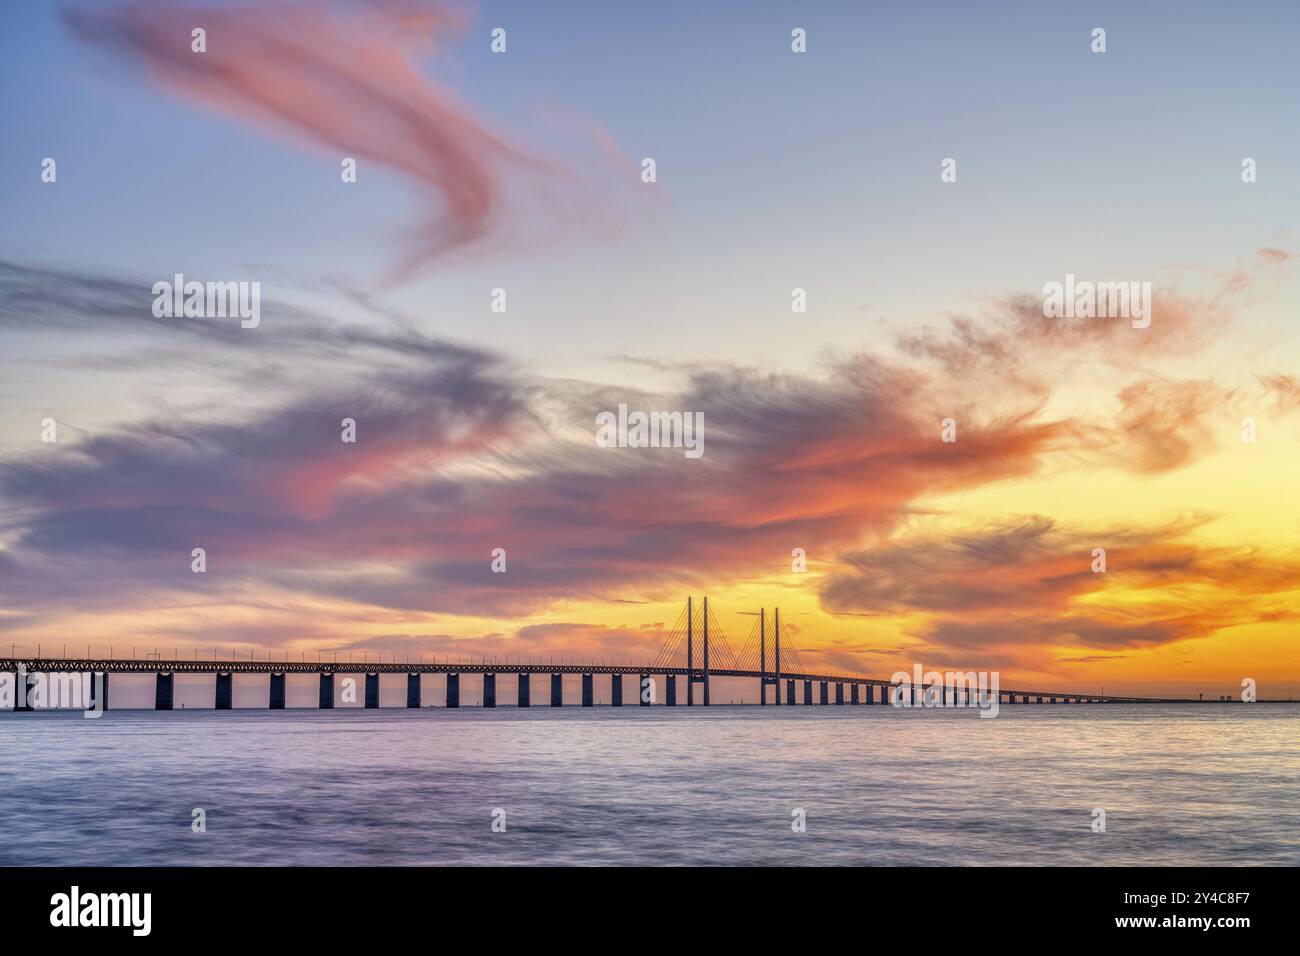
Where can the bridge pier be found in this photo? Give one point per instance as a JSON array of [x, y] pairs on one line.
[[276, 701], [557, 690], [789, 693], [853, 693], [22, 701], [453, 690], [326, 692], [884, 693], [670, 690], [1038, 699], [807, 692], [616, 690], [489, 690], [588, 697], [162, 691], [225, 691], [1011, 698], [839, 693], [525, 691], [644, 693], [98, 692], [413, 691], [372, 691]]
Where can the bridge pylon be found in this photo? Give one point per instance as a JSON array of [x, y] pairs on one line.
[[692, 676], [775, 679]]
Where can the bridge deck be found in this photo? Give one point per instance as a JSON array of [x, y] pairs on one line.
[[154, 666]]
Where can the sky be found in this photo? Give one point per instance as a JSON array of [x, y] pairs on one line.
[[522, 170]]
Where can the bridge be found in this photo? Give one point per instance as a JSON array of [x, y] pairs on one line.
[[677, 658]]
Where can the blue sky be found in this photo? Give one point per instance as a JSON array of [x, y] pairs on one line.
[[775, 170]]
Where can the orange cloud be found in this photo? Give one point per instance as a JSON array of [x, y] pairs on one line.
[[1031, 585]]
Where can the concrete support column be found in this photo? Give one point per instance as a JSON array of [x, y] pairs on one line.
[[453, 690], [22, 681], [525, 691], [644, 693], [670, 689], [853, 694], [789, 693], [588, 691], [839, 693], [326, 692], [884, 693], [807, 692], [372, 691], [1011, 698], [616, 690], [98, 690], [413, 691], [277, 692], [825, 697], [489, 690], [557, 690], [225, 691], [162, 693]]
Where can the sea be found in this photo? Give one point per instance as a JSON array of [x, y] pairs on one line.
[[1105, 785]]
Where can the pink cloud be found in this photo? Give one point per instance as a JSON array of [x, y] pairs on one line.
[[348, 80]]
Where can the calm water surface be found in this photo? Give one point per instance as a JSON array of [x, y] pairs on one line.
[[1180, 785]]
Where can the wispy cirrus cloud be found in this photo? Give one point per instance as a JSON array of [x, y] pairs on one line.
[[1283, 391], [1163, 424], [348, 78]]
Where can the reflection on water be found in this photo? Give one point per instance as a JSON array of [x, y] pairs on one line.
[[1179, 784]]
